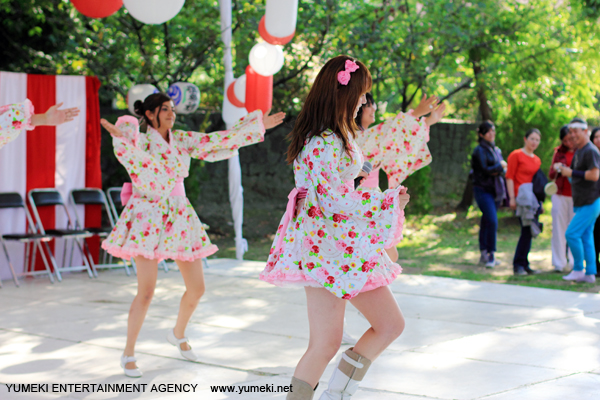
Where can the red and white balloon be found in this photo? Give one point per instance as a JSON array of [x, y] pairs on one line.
[[278, 25], [153, 12], [139, 92], [97, 9], [266, 59], [236, 92]]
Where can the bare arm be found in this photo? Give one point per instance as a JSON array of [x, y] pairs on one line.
[[590, 175], [510, 185]]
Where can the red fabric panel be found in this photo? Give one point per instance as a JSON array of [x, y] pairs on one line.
[[41, 147], [93, 175], [259, 91]]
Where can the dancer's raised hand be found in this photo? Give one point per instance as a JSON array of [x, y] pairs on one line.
[[54, 116], [271, 121], [113, 130], [425, 106], [436, 114]]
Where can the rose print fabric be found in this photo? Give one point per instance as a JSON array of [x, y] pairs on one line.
[[14, 118], [337, 240], [158, 221], [398, 145]]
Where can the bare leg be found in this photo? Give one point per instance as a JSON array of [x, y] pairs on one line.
[[193, 276], [326, 320], [392, 253], [146, 276], [387, 323]]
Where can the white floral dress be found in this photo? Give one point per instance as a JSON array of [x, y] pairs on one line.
[[398, 145], [14, 118], [158, 221], [338, 238]]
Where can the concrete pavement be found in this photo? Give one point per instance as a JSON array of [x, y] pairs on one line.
[[463, 339]]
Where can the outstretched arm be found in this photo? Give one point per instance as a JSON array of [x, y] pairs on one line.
[[54, 116]]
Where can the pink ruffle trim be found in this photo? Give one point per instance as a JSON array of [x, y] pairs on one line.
[[396, 227], [29, 111], [279, 278], [120, 252]]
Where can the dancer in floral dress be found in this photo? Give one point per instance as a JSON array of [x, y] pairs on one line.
[[334, 246], [14, 118], [398, 144], [158, 220]]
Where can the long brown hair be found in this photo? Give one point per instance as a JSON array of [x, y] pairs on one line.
[[330, 105]]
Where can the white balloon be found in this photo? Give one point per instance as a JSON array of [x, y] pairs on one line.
[[239, 88], [185, 96], [139, 92], [232, 114], [266, 59], [280, 17], [153, 12]]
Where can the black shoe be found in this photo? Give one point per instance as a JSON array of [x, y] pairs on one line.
[[519, 271], [532, 271]]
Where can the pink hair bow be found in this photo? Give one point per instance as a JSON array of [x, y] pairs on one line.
[[344, 76]]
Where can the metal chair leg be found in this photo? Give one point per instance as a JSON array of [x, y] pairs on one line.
[[164, 265], [56, 269], [37, 243], [89, 268], [90, 257], [12, 270], [133, 265]]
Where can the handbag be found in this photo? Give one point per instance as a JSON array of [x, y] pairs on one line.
[[539, 183]]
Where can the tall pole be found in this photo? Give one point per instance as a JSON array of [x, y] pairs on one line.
[[236, 196]]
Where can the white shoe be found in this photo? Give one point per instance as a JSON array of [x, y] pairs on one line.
[[187, 354], [587, 279], [132, 373], [574, 276]]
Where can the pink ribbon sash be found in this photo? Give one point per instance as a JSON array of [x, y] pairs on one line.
[[127, 191], [293, 197]]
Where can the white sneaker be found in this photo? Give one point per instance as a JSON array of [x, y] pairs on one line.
[[132, 373], [187, 354], [587, 279], [574, 276]]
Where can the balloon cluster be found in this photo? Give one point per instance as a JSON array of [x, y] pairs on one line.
[[151, 12], [277, 27]]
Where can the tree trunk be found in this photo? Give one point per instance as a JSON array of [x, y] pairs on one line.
[[484, 107]]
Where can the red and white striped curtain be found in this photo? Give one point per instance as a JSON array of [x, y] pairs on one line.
[[65, 157]]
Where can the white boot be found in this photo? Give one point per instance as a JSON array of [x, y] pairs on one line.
[[347, 376], [300, 390]]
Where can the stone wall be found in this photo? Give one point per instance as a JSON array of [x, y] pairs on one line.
[[450, 145]]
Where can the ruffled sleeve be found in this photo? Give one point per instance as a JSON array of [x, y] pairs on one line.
[[398, 145], [14, 118], [151, 175], [221, 145]]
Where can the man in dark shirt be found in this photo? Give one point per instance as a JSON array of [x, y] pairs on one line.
[[586, 202]]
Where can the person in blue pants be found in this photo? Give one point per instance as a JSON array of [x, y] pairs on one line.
[[488, 189], [584, 176]]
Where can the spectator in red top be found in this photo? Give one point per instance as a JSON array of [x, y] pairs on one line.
[[522, 166], [562, 203]]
